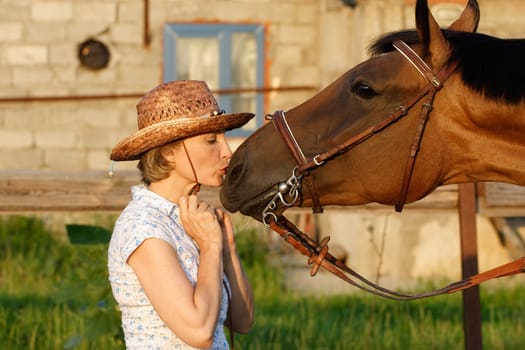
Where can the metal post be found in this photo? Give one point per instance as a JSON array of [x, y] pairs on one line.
[[469, 266]]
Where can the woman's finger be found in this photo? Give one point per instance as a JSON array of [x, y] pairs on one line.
[[193, 202]]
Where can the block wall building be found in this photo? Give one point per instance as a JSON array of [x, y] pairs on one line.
[[57, 114]]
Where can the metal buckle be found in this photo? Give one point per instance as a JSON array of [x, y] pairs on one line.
[[290, 188]]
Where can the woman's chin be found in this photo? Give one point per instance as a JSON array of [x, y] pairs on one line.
[[218, 182]]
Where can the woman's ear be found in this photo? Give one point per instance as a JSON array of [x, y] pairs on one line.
[[169, 152]]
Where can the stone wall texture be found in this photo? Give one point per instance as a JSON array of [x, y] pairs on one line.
[[309, 43]]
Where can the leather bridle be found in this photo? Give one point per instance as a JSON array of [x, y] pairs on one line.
[[290, 190]]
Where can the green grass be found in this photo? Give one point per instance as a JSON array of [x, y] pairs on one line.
[[55, 295], [362, 322]]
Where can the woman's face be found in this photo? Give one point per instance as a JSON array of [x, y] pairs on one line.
[[210, 156]]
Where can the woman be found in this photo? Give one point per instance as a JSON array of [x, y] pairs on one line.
[[172, 259]]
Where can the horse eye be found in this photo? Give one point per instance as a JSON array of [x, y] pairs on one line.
[[363, 90]]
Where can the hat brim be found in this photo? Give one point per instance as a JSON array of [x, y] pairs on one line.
[[133, 146]]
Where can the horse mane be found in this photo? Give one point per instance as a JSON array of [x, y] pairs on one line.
[[491, 66]]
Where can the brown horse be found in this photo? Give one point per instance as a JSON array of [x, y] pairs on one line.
[[474, 85]]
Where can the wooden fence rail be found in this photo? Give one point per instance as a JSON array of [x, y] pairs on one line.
[[41, 190], [46, 190], [51, 190]]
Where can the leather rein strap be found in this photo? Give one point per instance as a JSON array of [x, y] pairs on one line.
[[317, 253], [318, 256]]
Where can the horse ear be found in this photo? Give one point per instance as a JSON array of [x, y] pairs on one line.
[[435, 45], [469, 19]]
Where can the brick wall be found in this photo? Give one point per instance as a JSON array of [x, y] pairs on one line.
[[310, 42]]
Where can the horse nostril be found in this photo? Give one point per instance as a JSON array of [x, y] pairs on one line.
[[229, 194], [234, 173]]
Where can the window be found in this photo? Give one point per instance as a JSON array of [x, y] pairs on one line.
[[226, 56]]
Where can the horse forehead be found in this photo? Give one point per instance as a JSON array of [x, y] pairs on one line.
[[385, 67]]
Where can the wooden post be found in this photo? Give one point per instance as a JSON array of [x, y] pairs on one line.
[[469, 266]]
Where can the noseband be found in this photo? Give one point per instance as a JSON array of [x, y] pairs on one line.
[[289, 192]]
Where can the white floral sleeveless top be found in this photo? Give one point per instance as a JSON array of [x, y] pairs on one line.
[[150, 215]]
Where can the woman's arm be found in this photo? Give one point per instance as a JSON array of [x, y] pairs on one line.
[[191, 312], [242, 305]]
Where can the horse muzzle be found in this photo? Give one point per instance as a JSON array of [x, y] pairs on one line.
[[253, 207]]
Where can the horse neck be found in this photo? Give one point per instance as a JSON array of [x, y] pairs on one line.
[[487, 145]]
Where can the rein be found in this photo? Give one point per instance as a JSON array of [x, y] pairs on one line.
[[318, 256], [290, 191]]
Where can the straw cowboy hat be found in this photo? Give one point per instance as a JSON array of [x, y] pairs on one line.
[[173, 111]]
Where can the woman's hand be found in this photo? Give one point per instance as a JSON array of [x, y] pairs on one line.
[[200, 220]]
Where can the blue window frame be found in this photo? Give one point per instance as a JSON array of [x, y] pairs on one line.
[[226, 56]]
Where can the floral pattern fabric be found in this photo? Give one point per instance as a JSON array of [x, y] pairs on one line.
[[149, 215]]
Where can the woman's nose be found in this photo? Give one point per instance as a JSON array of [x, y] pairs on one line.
[[227, 152], [225, 149]]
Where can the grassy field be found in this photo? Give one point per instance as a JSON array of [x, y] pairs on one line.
[[55, 295]]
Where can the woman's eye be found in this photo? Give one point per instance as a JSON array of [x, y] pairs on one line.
[[363, 90], [212, 141]]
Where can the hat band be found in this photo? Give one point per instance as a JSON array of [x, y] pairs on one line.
[[219, 112], [211, 114], [189, 119]]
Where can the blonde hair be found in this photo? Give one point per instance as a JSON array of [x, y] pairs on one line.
[[154, 165]]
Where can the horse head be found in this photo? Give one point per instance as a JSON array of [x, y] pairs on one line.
[[373, 170]]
